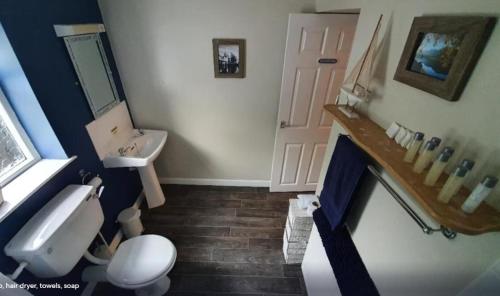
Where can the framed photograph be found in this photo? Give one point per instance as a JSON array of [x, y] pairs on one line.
[[441, 52], [229, 58]]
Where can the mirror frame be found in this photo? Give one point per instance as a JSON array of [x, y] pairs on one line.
[[68, 41]]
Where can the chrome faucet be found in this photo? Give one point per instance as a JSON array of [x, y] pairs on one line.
[[140, 133], [124, 150]]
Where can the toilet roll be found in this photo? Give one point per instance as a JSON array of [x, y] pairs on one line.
[[95, 182]]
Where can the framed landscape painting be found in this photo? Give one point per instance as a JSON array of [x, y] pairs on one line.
[[229, 58], [441, 52]]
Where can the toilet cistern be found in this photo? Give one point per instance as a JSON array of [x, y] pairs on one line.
[[55, 239], [139, 152]]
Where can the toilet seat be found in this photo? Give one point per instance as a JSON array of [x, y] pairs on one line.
[[140, 261]]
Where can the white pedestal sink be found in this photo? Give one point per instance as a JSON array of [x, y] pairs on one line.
[[140, 151]]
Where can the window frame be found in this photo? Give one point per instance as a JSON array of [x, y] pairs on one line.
[[22, 139]]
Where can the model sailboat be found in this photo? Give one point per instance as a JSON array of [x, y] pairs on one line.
[[355, 87]]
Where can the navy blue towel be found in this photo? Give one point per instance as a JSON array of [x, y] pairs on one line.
[[351, 274], [346, 167]]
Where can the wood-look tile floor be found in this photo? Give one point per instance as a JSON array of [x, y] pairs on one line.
[[228, 240]]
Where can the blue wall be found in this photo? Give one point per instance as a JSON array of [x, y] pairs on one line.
[[16, 87], [46, 64]]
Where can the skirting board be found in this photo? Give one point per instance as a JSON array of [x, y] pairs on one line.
[[216, 182]]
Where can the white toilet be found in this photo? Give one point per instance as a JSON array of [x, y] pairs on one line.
[[56, 238]]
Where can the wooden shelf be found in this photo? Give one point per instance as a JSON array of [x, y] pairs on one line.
[[372, 138]]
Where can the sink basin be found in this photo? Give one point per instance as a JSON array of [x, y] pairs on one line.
[[140, 151]]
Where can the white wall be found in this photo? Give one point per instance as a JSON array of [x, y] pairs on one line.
[[471, 124], [488, 283], [218, 128], [400, 258]]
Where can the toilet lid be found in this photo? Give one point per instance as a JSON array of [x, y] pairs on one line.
[[140, 260]]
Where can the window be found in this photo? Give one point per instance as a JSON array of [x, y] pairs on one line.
[[16, 151]]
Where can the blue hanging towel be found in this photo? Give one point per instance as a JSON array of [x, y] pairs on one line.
[[346, 168], [352, 277]]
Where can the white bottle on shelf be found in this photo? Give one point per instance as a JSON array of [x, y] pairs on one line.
[[438, 166], [436, 140], [416, 142], [452, 185], [425, 157], [468, 164], [479, 194]]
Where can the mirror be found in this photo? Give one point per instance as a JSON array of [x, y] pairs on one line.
[[91, 66]]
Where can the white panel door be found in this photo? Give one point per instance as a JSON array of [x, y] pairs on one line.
[[307, 85]]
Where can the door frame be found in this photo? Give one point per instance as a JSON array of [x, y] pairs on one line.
[[273, 187]]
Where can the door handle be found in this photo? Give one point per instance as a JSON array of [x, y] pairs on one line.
[[327, 61], [283, 124]]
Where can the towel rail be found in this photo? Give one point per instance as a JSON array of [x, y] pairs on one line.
[[448, 233]]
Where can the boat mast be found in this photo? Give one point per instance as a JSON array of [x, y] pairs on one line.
[[366, 55]]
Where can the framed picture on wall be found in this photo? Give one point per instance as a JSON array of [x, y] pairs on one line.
[[441, 52], [229, 58]]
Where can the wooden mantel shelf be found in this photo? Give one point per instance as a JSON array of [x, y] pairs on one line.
[[372, 138]]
